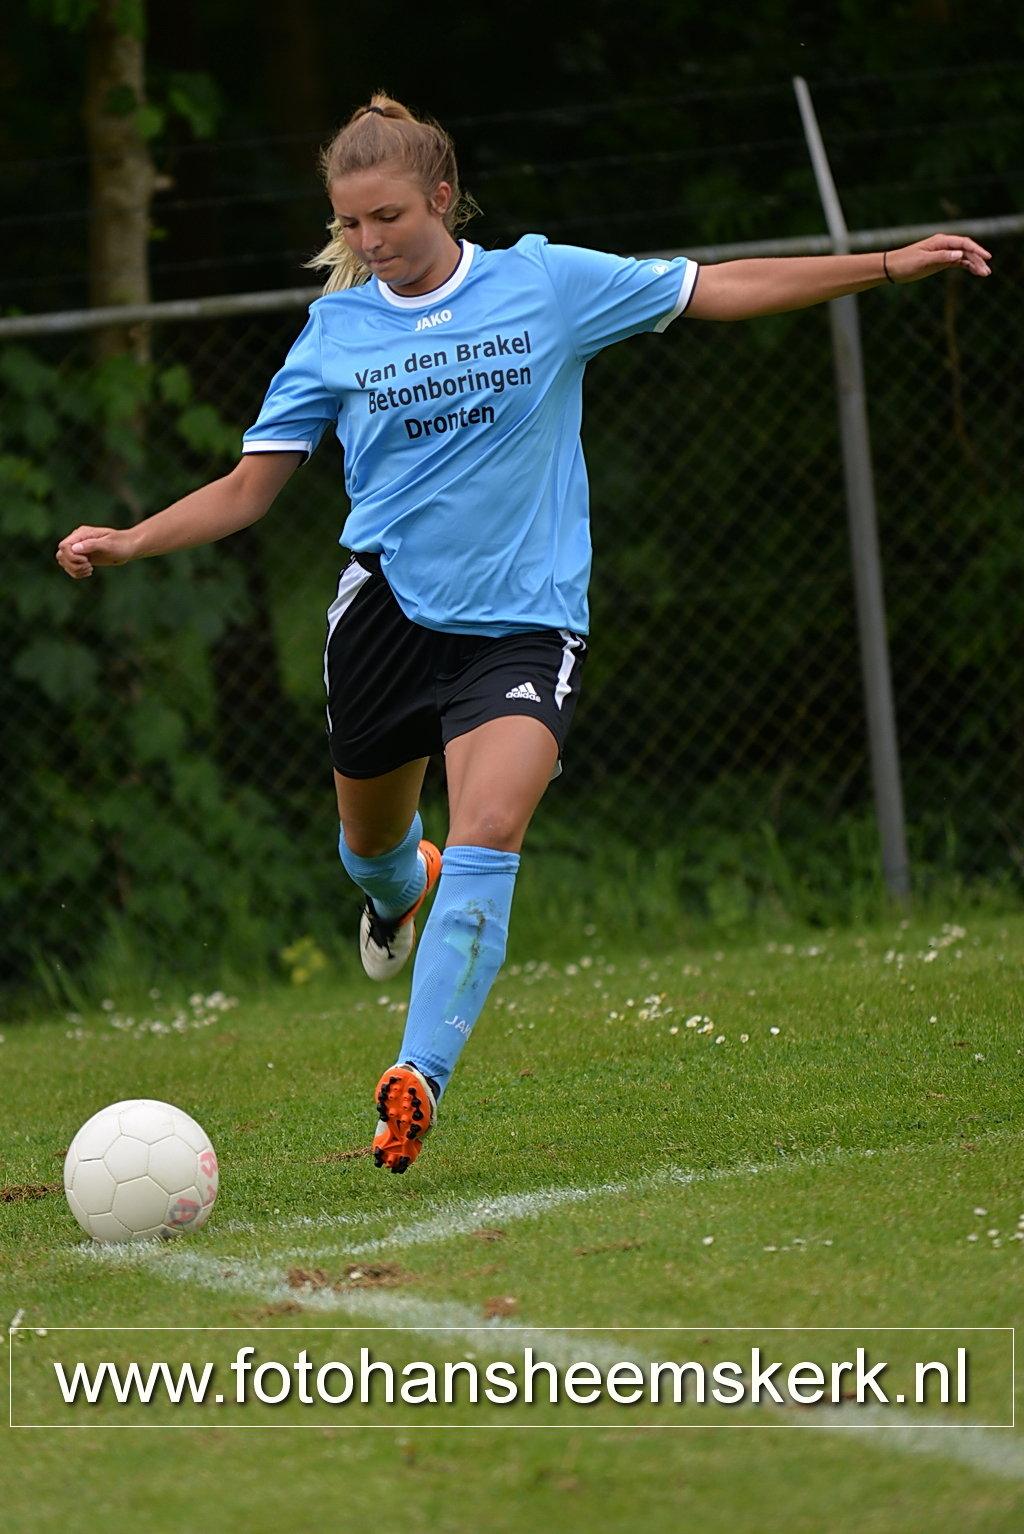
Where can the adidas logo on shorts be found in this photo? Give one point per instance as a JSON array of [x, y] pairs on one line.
[[525, 690]]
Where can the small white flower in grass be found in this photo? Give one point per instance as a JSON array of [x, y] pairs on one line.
[[195, 1000], [691, 1022], [972, 1237], [572, 969], [720, 1039], [769, 1249], [933, 1019], [799, 1241], [707, 1240], [744, 1038], [40, 1331], [673, 1029], [270, 1065], [979, 1057], [997, 1242], [107, 1004], [586, 961], [590, 930], [773, 1030], [1018, 1235], [980, 1211], [993, 1232], [827, 1242], [613, 1017], [707, 1028], [382, 1001]]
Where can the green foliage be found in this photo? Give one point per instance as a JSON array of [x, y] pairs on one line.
[[71, 15], [131, 828], [196, 98]]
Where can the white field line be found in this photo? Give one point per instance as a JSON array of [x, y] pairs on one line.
[[458, 1217], [983, 1450]]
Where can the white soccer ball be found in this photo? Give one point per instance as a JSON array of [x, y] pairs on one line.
[[140, 1168]]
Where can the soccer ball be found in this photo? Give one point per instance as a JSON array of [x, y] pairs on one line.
[[140, 1168]]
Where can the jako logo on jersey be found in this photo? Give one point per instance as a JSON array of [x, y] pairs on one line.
[[430, 320]]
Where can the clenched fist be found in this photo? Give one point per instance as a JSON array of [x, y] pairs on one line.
[[81, 551]]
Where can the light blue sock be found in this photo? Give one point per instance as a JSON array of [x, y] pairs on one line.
[[394, 880], [460, 953]]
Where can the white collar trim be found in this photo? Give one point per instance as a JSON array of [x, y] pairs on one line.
[[436, 295]]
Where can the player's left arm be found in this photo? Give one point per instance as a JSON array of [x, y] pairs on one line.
[[742, 290]]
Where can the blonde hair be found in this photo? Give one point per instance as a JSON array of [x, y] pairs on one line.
[[386, 133]]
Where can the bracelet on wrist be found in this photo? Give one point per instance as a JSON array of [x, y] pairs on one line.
[[885, 268]]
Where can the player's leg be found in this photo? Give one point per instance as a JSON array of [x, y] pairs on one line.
[[382, 727], [383, 850], [506, 705], [497, 774]]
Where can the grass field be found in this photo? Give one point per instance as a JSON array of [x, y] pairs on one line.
[[830, 1143]]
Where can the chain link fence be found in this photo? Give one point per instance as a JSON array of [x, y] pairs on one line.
[[165, 767]]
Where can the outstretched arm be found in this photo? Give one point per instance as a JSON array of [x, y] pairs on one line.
[[741, 290], [223, 506]]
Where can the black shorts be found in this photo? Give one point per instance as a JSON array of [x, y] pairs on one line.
[[397, 691]]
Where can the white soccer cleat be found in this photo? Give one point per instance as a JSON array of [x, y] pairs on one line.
[[385, 944]]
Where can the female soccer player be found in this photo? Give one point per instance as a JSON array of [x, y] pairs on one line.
[[453, 377]]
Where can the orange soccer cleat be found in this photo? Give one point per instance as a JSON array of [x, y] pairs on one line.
[[407, 1109]]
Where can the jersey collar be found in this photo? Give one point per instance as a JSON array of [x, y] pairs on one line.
[[436, 295]]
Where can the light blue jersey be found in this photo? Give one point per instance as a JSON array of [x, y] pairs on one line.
[[459, 412]]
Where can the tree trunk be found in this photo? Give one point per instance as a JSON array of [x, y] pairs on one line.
[[121, 176]]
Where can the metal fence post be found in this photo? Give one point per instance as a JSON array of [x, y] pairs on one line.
[[860, 503]]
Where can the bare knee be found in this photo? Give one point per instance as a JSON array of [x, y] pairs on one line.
[[369, 842], [495, 827]]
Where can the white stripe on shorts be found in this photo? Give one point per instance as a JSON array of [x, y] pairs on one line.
[[563, 687], [353, 577]]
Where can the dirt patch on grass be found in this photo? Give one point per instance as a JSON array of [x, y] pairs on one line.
[[308, 1278], [378, 1275], [357, 1275], [345, 1155], [608, 1246], [20, 1193], [501, 1305], [282, 1308], [488, 1233]]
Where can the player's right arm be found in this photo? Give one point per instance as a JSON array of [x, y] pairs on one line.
[[223, 506]]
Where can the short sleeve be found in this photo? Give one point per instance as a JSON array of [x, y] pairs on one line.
[[606, 298], [298, 406]]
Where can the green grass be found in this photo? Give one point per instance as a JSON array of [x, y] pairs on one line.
[[836, 1163]]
